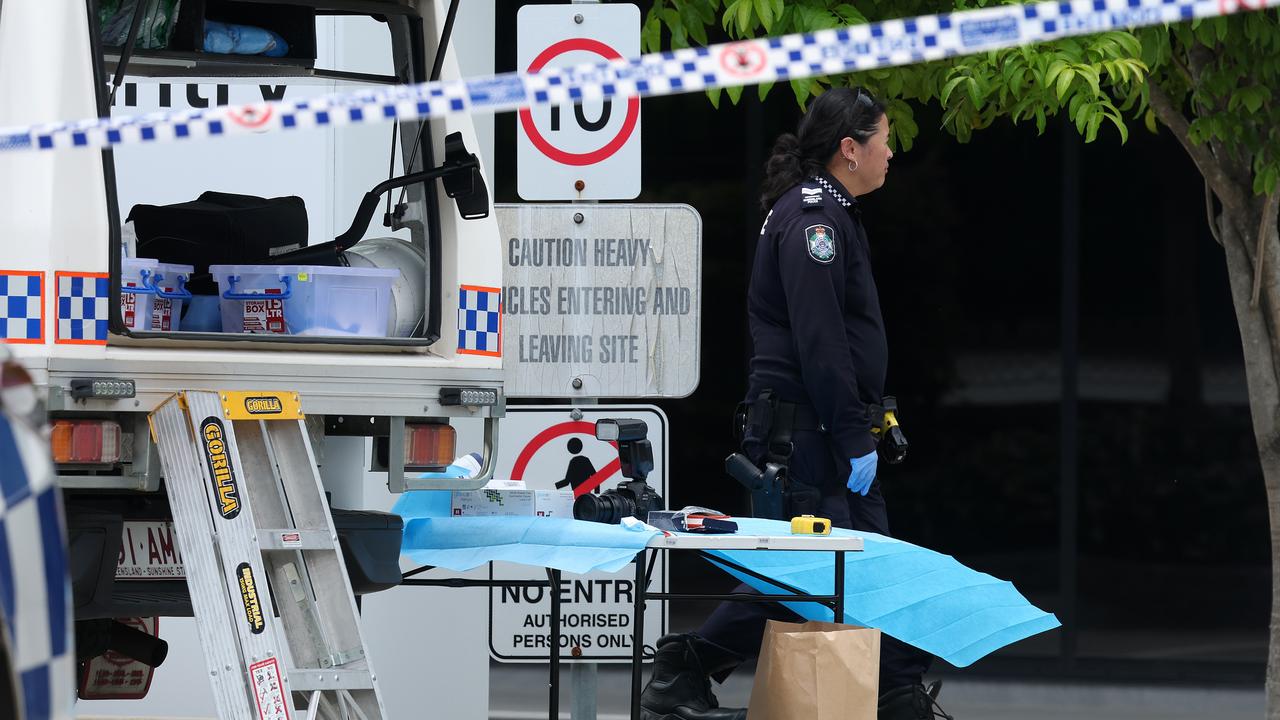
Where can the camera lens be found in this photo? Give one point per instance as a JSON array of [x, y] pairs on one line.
[[609, 507]]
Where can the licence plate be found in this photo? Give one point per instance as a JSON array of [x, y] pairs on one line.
[[149, 551]]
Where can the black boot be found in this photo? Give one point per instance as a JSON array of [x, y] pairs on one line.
[[680, 688], [912, 702]]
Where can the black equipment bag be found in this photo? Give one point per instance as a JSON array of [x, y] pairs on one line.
[[220, 229]]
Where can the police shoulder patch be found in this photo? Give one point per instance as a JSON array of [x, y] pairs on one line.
[[821, 243], [810, 197]]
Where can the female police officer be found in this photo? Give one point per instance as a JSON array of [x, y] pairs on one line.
[[819, 358]]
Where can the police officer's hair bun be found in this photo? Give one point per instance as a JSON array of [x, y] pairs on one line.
[[834, 115], [788, 145], [785, 167]]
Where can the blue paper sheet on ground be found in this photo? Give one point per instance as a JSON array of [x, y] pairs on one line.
[[431, 537], [916, 595]]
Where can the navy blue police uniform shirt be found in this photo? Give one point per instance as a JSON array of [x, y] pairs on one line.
[[814, 312]]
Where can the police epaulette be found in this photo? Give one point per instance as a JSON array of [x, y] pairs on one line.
[[811, 196]]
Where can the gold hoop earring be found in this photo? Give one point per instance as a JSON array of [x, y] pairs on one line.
[[853, 166]]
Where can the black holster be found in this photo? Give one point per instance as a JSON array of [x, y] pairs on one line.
[[763, 428]]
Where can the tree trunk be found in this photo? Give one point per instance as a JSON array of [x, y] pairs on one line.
[[1249, 236], [1239, 229]]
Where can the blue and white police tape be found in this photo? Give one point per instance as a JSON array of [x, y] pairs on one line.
[[35, 593], [828, 52]]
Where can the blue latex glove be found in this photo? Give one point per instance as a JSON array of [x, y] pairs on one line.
[[862, 472]]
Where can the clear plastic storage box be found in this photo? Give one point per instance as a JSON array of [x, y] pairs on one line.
[[304, 299], [152, 294]]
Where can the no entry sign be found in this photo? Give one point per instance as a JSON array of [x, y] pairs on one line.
[[589, 150], [554, 447]]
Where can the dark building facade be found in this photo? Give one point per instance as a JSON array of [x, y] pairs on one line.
[[1067, 362]]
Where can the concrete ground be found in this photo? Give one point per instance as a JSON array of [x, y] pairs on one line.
[[519, 692]]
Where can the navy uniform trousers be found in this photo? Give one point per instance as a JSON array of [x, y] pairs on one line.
[[739, 626]]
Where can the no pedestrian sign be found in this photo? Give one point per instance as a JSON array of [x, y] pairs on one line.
[[589, 150], [549, 448]]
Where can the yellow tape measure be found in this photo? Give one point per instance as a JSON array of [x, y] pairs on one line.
[[810, 525]]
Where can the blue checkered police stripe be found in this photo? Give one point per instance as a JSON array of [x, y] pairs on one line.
[[34, 591], [828, 52], [479, 320]]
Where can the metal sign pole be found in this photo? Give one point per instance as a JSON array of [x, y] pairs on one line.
[[539, 157], [582, 679]]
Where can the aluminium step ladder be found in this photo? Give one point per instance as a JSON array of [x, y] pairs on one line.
[[255, 532]]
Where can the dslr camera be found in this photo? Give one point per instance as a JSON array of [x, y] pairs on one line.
[[632, 497]]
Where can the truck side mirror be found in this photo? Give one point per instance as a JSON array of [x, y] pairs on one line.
[[466, 188], [462, 181]]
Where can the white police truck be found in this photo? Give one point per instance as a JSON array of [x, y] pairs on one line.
[[341, 283]]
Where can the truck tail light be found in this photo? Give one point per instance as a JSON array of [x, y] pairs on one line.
[[86, 442], [428, 446]]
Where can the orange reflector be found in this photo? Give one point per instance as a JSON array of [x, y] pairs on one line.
[[428, 446], [94, 442]]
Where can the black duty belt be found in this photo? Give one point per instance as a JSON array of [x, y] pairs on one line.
[[799, 416], [773, 421]]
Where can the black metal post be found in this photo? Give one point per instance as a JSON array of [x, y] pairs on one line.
[[553, 709], [637, 635], [839, 587]]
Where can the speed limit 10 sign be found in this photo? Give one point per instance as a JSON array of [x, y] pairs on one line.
[[589, 150]]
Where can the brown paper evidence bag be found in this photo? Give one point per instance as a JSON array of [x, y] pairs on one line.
[[816, 671]]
